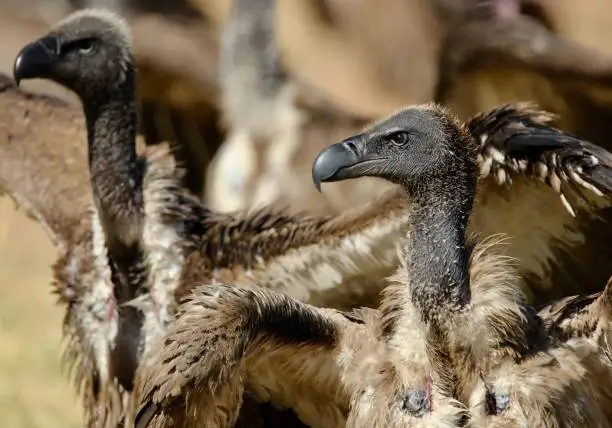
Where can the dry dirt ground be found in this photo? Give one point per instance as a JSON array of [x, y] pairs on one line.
[[34, 391]]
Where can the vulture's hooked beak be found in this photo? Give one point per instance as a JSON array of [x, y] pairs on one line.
[[341, 161], [36, 58]]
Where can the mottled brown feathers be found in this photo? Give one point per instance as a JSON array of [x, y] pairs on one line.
[[374, 369], [247, 330], [272, 249], [579, 316]]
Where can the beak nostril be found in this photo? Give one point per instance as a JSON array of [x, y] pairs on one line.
[[51, 44], [350, 144]]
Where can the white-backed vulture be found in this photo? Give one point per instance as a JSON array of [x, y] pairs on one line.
[[258, 103], [482, 354], [49, 179], [229, 338]]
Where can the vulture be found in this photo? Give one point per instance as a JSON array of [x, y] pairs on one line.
[[258, 103], [368, 365], [48, 178], [145, 241], [148, 242], [486, 354]]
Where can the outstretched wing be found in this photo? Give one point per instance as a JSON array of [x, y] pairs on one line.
[[338, 261], [548, 191], [516, 139], [43, 160], [229, 338]]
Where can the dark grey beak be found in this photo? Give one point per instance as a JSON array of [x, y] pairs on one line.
[[342, 161], [36, 59]]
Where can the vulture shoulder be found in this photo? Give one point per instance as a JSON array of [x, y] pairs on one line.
[[579, 316]]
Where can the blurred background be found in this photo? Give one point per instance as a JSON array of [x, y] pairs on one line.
[[248, 91]]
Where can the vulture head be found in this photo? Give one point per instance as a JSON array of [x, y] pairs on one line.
[[409, 148], [88, 50]]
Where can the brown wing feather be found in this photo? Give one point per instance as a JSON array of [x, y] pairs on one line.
[[578, 316], [517, 138], [335, 261], [246, 334], [559, 254]]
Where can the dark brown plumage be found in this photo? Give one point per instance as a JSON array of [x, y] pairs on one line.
[[366, 365]]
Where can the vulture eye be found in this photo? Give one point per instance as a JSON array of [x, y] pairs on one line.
[[416, 402], [398, 138], [85, 46]]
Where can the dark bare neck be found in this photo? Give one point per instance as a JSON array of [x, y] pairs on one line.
[[437, 256], [116, 173]]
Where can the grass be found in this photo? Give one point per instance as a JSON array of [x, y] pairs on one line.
[[34, 390]]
